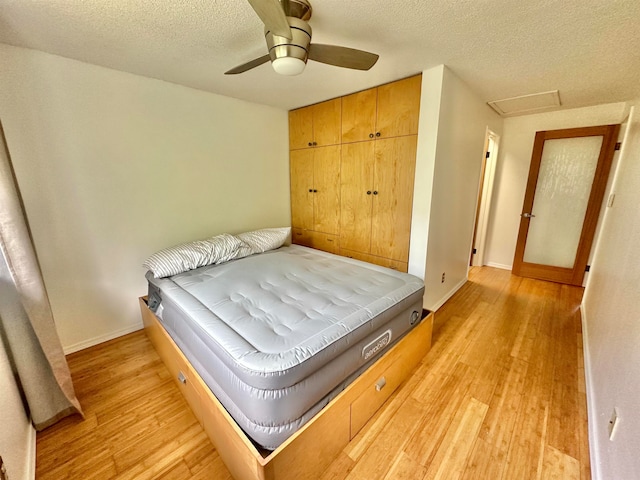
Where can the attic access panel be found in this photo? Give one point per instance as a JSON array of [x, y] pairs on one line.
[[526, 103]]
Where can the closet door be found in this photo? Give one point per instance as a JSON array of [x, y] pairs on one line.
[[301, 171], [356, 194], [301, 128], [327, 118], [399, 107], [326, 186], [359, 116], [395, 160]]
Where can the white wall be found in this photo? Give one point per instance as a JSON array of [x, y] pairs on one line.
[[113, 167], [451, 139], [611, 319], [516, 146]]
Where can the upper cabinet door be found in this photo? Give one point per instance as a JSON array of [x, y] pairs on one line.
[[327, 117], [359, 116], [301, 128], [399, 108], [301, 165]]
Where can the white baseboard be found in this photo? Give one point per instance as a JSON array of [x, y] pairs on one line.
[[499, 265], [448, 295], [102, 338], [591, 410]]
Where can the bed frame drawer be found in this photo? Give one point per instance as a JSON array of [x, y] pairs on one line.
[[377, 392], [387, 374], [186, 380]]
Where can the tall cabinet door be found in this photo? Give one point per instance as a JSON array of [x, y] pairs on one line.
[[356, 194], [301, 165], [359, 116], [395, 160], [399, 107], [326, 186]]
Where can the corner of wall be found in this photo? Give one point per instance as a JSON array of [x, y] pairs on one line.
[[430, 100], [90, 342]]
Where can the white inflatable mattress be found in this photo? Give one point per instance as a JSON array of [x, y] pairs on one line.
[[277, 335]]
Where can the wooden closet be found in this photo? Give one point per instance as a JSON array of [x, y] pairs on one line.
[[352, 166]]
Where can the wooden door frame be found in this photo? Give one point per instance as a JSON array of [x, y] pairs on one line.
[[574, 275]]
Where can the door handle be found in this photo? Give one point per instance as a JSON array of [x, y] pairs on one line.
[[527, 215]]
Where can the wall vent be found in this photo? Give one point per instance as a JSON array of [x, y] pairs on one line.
[[526, 103]]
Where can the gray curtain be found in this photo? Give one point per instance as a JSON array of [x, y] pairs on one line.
[[27, 328]]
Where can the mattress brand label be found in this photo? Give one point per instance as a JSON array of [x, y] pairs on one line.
[[373, 347]]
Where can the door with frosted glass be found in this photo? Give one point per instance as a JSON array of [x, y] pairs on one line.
[[565, 189]]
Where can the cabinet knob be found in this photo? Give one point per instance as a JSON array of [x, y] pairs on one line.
[[368, 192], [310, 144], [375, 192], [377, 134], [315, 191], [371, 135], [310, 190], [315, 143]]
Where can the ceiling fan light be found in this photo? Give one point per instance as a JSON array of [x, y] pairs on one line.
[[288, 65]]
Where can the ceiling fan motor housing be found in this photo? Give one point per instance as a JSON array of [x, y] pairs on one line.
[[297, 47], [297, 8]]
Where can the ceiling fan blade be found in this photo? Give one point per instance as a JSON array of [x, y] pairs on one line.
[[342, 56], [249, 65], [273, 17]]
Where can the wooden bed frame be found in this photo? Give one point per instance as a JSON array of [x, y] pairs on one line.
[[309, 451]]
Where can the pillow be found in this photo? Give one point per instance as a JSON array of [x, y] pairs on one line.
[[244, 251], [266, 239], [188, 256]]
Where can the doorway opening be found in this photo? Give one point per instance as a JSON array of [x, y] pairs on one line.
[[485, 191]]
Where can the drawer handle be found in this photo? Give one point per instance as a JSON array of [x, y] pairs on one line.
[[380, 384], [181, 378]]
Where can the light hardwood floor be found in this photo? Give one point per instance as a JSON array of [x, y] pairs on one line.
[[501, 395]]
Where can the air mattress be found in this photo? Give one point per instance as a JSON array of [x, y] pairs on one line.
[[277, 335]]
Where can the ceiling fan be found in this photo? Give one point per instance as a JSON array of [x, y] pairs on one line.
[[288, 38]]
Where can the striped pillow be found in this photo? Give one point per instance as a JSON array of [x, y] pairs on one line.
[[188, 256], [266, 239]]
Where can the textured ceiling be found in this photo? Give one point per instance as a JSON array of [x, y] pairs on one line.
[[587, 49]]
